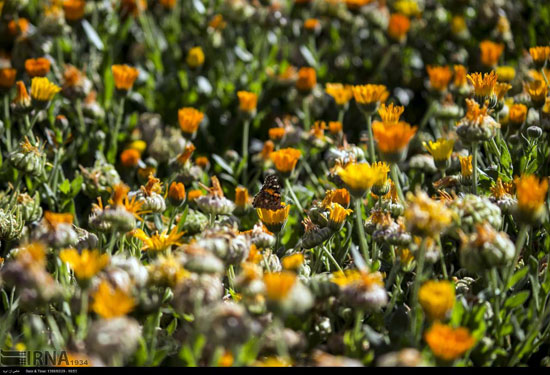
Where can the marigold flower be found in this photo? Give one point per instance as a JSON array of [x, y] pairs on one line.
[[158, 242], [518, 114], [307, 79], [490, 52], [448, 343], [505, 73], [247, 101], [7, 78], [398, 26], [74, 9], [531, 196], [167, 271], [274, 220], [189, 119], [130, 158], [293, 262], [466, 169], [124, 76], [441, 149], [241, 197], [393, 139], [85, 264], [340, 196], [276, 134], [33, 253], [370, 96], [53, 219], [340, 93], [176, 192], [460, 75], [539, 54], [337, 216], [194, 194], [37, 67], [358, 177], [312, 24], [537, 91], [437, 298], [111, 302], [279, 285], [267, 149], [285, 159], [484, 84], [458, 25], [19, 26], [202, 161], [42, 90], [217, 22], [195, 57], [22, 100], [335, 127], [440, 76], [425, 216], [391, 113], [360, 279], [501, 89]]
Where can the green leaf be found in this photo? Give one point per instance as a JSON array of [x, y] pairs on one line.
[[76, 185], [222, 163], [65, 187], [517, 299], [517, 277]]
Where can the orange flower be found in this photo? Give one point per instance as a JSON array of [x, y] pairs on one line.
[[279, 285], [186, 154], [392, 137], [539, 54], [484, 85], [518, 113], [276, 134], [130, 158], [202, 161], [448, 343], [74, 9], [124, 76], [370, 95], [176, 192], [268, 148], [391, 113], [52, 219], [7, 78], [217, 22], [335, 127], [285, 159], [490, 52], [537, 91], [72, 77], [340, 93], [194, 194], [37, 67], [312, 24], [460, 75], [241, 196], [189, 119], [398, 27], [20, 26], [439, 77], [307, 79], [247, 101], [22, 99], [531, 193]]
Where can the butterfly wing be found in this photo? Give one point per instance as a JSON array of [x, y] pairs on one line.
[[269, 196]]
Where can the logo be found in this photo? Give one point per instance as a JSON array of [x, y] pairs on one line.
[[269, 196], [34, 358]]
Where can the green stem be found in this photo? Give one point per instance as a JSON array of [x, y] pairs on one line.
[[372, 153], [7, 121], [361, 230], [329, 255], [474, 166], [83, 317], [416, 285], [246, 131], [394, 170], [294, 198], [520, 241], [305, 108]]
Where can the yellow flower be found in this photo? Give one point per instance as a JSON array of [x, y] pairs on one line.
[[539, 54], [110, 302], [124, 76], [189, 119], [518, 114], [484, 85], [537, 91], [241, 197], [441, 149], [398, 26], [425, 216], [392, 139], [285, 160], [33, 254], [340, 93], [501, 189], [380, 172], [86, 264], [358, 177], [448, 343], [340, 196], [490, 52], [501, 89], [42, 90], [391, 113], [293, 262], [505, 73], [159, 242], [440, 76], [247, 101], [338, 213], [195, 57], [458, 25], [407, 7], [278, 285], [274, 220], [167, 271], [358, 279], [437, 298], [460, 75], [370, 94], [531, 193], [466, 168]]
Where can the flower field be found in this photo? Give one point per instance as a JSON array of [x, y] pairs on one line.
[[275, 182]]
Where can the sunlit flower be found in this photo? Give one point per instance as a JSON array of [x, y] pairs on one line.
[[194, 194], [501, 89], [437, 298], [358, 177], [159, 242], [189, 119], [425, 216], [276, 134], [130, 158], [441, 149], [176, 193], [217, 22], [285, 160], [392, 139], [53, 220], [18, 26], [195, 57], [74, 9], [335, 127], [186, 154], [531, 195], [391, 113], [466, 168], [517, 115], [440, 76], [279, 285], [85, 264], [37, 67], [7, 78], [538, 91], [539, 55], [448, 343], [247, 102], [369, 97], [398, 26], [307, 79], [484, 84], [293, 262], [490, 52], [22, 100], [167, 270], [505, 73], [42, 90], [337, 216], [111, 302], [341, 94], [124, 76], [340, 196], [274, 220], [312, 24], [460, 79]]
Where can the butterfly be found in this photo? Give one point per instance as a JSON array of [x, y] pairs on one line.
[[269, 196]]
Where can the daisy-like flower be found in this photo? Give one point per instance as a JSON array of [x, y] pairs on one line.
[[380, 184], [279, 285], [368, 97], [7, 78], [37, 67], [85, 264], [437, 298], [539, 55], [293, 262], [538, 91], [490, 52], [242, 198], [248, 102], [124, 76], [307, 79], [505, 73], [159, 242], [111, 302], [484, 86], [340, 196], [517, 115], [393, 139], [466, 169], [477, 125], [448, 343], [441, 151], [398, 27], [285, 159], [276, 134], [22, 101], [501, 89], [337, 216], [274, 220], [43, 91], [425, 216], [531, 195], [189, 120], [361, 289], [341, 94], [358, 177], [74, 9], [195, 57], [440, 76], [460, 73], [130, 158], [390, 113]]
